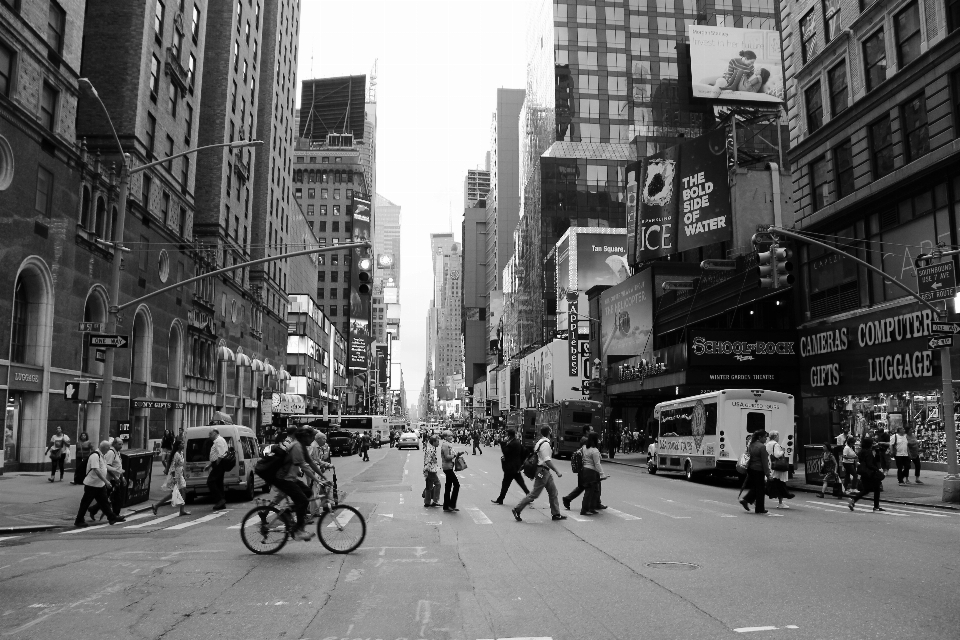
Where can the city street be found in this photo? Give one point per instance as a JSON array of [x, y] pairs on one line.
[[667, 559]]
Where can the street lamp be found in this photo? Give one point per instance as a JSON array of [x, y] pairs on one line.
[[114, 310]]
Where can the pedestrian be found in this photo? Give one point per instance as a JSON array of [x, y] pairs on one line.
[[828, 469], [475, 436], [117, 492], [913, 445], [448, 456], [758, 469], [581, 487], [870, 474], [319, 452], [365, 447], [883, 449], [543, 479], [166, 450], [849, 465], [58, 452], [614, 443], [431, 473], [218, 451], [95, 484], [511, 461], [900, 448], [84, 449], [175, 482], [591, 477], [777, 486], [393, 436]]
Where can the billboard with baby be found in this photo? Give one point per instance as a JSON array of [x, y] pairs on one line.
[[743, 65]]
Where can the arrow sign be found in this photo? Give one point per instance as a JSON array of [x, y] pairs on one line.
[[936, 343], [936, 281], [107, 340], [948, 327]]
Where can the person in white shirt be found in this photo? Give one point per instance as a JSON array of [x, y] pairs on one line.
[[218, 450], [901, 454], [849, 460], [115, 470], [543, 479], [58, 451], [95, 486]]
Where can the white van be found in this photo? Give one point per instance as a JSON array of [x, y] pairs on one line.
[[706, 434], [196, 451]]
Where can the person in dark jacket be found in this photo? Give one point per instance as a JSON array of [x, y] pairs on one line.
[[511, 462], [870, 474], [758, 470]]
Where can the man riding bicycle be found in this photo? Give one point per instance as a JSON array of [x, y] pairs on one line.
[[287, 480]]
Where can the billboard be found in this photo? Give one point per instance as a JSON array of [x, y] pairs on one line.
[[657, 205], [626, 318], [704, 198], [587, 257], [633, 173], [360, 308], [544, 378], [744, 65], [383, 364]]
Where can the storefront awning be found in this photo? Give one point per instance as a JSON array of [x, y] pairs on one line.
[[243, 360], [226, 354], [282, 374], [256, 365], [269, 370]]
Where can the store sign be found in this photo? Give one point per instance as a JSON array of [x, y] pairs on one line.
[[885, 351], [572, 345], [26, 378], [742, 358]]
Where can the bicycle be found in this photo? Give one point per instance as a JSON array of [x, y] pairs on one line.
[[340, 527]]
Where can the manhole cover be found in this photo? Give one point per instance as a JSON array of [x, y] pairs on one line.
[[674, 566]]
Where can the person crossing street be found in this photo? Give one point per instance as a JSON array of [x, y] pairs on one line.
[[543, 479], [511, 461]]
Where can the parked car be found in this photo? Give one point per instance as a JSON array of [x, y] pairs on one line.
[[408, 439], [241, 440], [343, 443]]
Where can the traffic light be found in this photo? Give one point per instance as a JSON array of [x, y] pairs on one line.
[[775, 266], [365, 275]]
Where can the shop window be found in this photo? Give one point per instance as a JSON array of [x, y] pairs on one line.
[[916, 135], [875, 59]]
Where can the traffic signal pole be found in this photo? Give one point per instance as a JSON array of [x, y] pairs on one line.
[[951, 483]]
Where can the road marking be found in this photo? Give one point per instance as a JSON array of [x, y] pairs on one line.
[[479, 517], [342, 519], [577, 518], [916, 512], [659, 513], [10, 538], [250, 523], [135, 516], [752, 629], [621, 514], [150, 522], [863, 509], [207, 518]]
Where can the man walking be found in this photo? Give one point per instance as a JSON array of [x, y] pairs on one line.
[[476, 442], [543, 479], [115, 470], [218, 451], [511, 462], [95, 486], [365, 447]]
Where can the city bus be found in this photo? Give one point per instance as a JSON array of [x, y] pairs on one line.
[[706, 434], [569, 420], [525, 423], [377, 427]]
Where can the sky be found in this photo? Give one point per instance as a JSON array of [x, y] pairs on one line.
[[440, 63]]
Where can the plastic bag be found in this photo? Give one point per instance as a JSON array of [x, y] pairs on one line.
[[176, 498]]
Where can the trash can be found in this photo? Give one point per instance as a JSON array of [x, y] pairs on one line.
[[138, 469]]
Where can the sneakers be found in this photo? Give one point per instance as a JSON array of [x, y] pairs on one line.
[[850, 504], [906, 481], [879, 509], [559, 516], [566, 503], [900, 483], [516, 514], [302, 535], [917, 481], [782, 506], [601, 506]]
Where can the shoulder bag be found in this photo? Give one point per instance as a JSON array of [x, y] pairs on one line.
[[780, 463], [531, 464], [459, 464]]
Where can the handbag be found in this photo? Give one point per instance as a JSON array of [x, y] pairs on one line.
[[459, 464], [176, 498], [780, 464]]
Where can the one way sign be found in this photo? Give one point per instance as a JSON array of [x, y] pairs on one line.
[[107, 340], [946, 327], [936, 343]]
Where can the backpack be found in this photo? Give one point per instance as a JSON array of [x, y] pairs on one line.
[[229, 461], [269, 465], [531, 464], [576, 461]]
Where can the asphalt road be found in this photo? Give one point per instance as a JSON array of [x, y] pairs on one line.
[[668, 559]]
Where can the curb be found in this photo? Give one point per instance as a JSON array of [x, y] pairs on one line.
[[805, 489], [30, 528]]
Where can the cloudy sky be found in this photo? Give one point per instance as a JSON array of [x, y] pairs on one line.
[[440, 63]]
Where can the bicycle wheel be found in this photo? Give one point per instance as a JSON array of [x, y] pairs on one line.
[[342, 529], [267, 533]]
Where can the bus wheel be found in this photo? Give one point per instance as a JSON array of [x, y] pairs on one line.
[[688, 471]]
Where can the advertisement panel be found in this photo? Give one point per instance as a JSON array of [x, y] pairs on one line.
[[626, 318], [633, 173], [743, 65], [657, 205], [704, 202], [601, 260], [731, 358], [383, 362], [503, 389], [360, 308]]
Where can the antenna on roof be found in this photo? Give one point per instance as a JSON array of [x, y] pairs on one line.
[[372, 89]]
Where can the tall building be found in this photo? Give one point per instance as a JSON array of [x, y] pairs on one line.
[[444, 346], [476, 185], [474, 294], [386, 289], [873, 127]]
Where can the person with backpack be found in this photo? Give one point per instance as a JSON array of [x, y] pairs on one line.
[[511, 461], [95, 485], [538, 467], [576, 466], [287, 479], [591, 474]]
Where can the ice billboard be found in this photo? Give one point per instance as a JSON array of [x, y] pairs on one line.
[[744, 65]]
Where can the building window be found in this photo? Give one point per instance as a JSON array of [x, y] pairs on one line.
[[6, 70], [56, 25], [48, 106], [336, 209], [916, 135], [44, 200], [311, 193], [154, 77], [189, 129], [881, 147], [195, 26], [843, 165], [165, 208], [145, 188], [334, 276], [185, 171], [875, 59], [236, 55], [814, 103], [323, 209], [907, 32], [182, 228], [837, 82], [158, 21], [831, 19], [172, 97], [821, 184], [310, 209], [336, 194], [191, 69], [18, 330], [808, 37], [953, 15], [151, 132]]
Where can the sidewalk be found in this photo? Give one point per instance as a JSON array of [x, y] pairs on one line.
[[29, 503], [928, 494]]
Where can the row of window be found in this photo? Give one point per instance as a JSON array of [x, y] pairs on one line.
[[324, 177], [323, 159], [324, 193], [311, 209], [321, 227]]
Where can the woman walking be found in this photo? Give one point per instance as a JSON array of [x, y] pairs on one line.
[[914, 447], [758, 469], [84, 449], [870, 474], [451, 488], [175, 482], [828, 467], [849, 457], [431, 473], [58, 452], [590, 476], [777, 487]]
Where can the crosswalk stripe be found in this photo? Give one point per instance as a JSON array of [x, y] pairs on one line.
[[859, 508], [135, 516], [478, 516], [659, 513], [153, 522], [577, 518], [621, 514], [342, 519], [916, 512], [10, 538], [206, 518], [250, 523]]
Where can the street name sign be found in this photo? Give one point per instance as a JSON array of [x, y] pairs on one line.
[[936, 281], [936, 343], [107, 340], [946, 327], [91, 326]]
